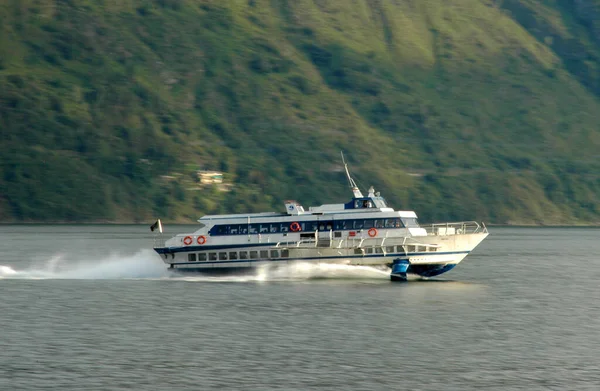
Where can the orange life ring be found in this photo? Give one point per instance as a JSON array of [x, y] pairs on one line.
[[373, 232], [187, 240], [201, 239], [295, 227]]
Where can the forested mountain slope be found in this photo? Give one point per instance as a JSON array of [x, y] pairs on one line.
[[459, 109]]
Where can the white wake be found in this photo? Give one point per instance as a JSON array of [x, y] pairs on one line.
[[146, 265], [308, 271], [143, 264]]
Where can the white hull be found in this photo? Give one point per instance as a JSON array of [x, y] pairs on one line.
[[426, 251]]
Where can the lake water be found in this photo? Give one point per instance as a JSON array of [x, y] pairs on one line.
[[93, 308]]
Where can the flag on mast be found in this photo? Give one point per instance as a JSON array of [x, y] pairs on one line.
[[156, 225]]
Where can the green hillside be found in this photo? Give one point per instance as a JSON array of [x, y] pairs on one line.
[[458, 109]]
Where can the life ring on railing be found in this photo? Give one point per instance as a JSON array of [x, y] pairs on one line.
[[295, 227], [372, 232], [201, 239], [187, 240]]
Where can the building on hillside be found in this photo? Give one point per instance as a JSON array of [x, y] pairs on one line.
[[210, 177]]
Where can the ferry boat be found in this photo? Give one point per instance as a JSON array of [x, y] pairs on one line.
[[364, 231]]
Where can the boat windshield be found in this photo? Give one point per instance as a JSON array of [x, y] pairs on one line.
[[380, 202], [410, 222]]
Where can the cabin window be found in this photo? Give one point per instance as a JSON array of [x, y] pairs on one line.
[[358, 251], [379, 250], [325, 226], [264, 228], [410, 249], [191, 257], [337, 234], [212, 256], [378, 223], [419, 249], [222, 256], [243, 254], [234, 229], [340, 224], [253, 254], [285, 253], [285, 227], [389, 249], [433, 249], [274, 254], [264, 254], [369, 250], [309, 226], [358, 224], [202, 257], [368, 224], [253, 228], [233, 255], [274, 228]]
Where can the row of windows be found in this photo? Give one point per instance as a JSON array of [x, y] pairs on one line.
[[266, 254], [234, 255], [310, 226], [395, 249]]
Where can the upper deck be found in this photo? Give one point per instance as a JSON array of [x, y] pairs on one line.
[[371, 204]]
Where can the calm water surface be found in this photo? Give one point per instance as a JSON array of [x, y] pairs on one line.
[[92, 308]]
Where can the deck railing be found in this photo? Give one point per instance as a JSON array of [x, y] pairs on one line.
[[442, 229], [455, 228]]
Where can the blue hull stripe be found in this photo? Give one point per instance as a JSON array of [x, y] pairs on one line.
[[321, 257], [191, 249], [195, 249]]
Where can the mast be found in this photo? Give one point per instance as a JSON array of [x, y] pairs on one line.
[[355, 189]]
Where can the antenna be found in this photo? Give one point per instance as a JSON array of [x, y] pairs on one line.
[[355, 189]]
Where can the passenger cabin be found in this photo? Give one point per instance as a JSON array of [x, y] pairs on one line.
[[328, 217]]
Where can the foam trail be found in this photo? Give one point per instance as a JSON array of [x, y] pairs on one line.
[[307, 271], [6, 271], [143, 264]]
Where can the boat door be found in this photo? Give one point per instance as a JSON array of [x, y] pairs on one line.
[[324, 233]]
